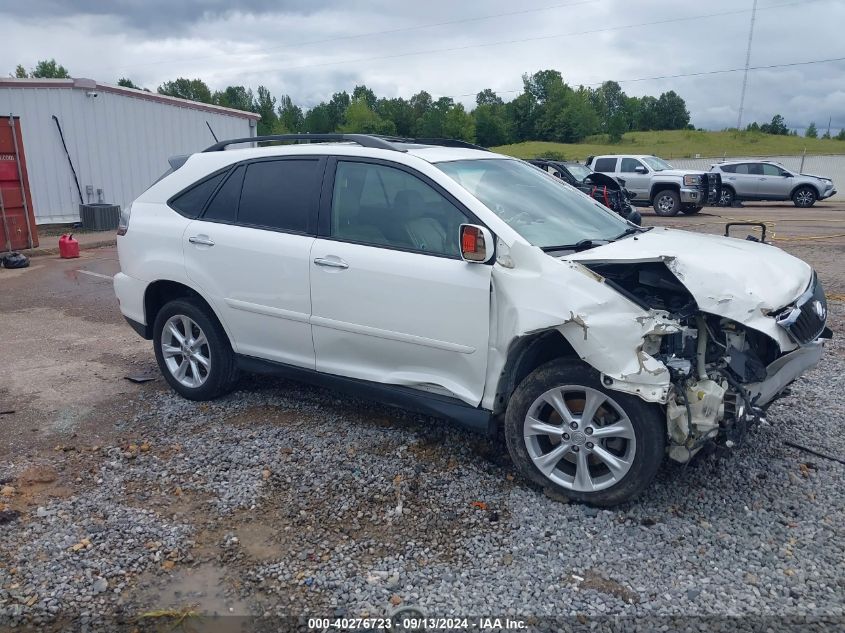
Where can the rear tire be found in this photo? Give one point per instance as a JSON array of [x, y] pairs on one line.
[[691, 210], [193, 351], [804, 197], [667, 203], [620, 446]]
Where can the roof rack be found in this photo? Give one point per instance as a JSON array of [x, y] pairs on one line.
[[364, 140], [439, 142]]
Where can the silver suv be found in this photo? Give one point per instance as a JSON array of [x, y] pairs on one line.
[[767, 180]]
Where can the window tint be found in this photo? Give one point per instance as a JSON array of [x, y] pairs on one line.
[[191, 203], [755, 169], [629, 165], [743, 168], [730, 169], [605, 165], [771, 170], [224, 206], [383, 206], [279, 194]]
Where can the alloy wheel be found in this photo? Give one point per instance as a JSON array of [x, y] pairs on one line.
[[185, 350], [579, 438], [666, 203]]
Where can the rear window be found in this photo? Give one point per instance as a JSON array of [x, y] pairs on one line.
[[605, 165], [730, 169], [280, 194], [190, 203]]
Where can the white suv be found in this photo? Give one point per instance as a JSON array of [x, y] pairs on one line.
[[465, 284]]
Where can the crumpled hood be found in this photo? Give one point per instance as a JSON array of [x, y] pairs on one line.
[[738, 279]]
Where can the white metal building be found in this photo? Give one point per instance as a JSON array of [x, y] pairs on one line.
[[118, 139]]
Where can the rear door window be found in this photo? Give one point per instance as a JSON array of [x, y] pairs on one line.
[[607, 165], [190, 203], [280, 194]]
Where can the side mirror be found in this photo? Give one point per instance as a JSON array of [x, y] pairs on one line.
[[640, 169], [477, 244]]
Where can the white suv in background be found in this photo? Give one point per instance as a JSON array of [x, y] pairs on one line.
[[767, 180], [453, 281]]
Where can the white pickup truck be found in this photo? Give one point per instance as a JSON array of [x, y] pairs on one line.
[[655, 182]]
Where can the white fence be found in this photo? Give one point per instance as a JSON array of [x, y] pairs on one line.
[[828, 165]]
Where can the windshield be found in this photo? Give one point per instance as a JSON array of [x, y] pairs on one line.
[[578, 171], [541, 208], [657, 164]]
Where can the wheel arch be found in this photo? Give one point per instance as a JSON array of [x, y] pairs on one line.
[[161, 291], [525, 354], [804, 185], [662, 186]]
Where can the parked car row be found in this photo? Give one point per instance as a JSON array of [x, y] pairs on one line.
[[650, 180]]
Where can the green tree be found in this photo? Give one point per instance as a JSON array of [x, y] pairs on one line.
[[777, 126], [127, 83], [191, 89], [841, 135], [672, 113], [367, 95], [433, 122], [265, 105], [522, 116], [491, 125], [20, 72], [488, 97], [400, 112], [541, 84], [49, 69], [458, 123], [811, 131], [361, 119], [609, 102], [291, 118], [318, 120], [235, 97], [337, 110]]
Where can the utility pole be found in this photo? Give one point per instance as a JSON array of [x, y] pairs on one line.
[[747, 60]]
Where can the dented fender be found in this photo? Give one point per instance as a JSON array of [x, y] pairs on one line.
[[606, 330]]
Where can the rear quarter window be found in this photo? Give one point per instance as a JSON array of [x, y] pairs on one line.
[[607, 165], [191, 202]]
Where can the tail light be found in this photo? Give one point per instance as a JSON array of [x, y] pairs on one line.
[[123, 224]]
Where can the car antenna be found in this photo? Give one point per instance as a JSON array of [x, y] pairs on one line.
[[216, 140]]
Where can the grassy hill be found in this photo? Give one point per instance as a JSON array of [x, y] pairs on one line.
[[679, 144]]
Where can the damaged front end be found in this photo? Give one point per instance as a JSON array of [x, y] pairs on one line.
[[722, 372]]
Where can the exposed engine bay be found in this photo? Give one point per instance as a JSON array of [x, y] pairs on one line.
[[716, 364]]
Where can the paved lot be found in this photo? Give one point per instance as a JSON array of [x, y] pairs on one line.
[[284, 499]]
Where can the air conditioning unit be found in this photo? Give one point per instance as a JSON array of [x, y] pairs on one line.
[[99, 216]]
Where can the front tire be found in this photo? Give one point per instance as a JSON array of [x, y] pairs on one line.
[[566, 431], [667, 203], [193, 351], [727, 198], [804, 197]]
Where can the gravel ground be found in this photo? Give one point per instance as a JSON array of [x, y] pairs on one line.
[[302, 501]]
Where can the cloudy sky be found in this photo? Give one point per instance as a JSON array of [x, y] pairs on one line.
[[312, 48]]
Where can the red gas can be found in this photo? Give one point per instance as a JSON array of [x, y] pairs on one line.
[[68, 247]]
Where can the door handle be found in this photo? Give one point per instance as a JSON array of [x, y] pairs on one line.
[[331, 263], [202, 240]]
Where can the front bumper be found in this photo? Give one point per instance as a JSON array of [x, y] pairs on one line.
[[691, 196], [784, 371], [828, 193]]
